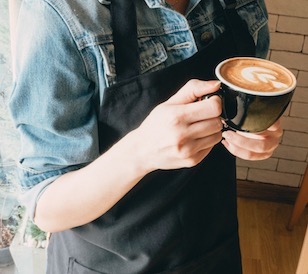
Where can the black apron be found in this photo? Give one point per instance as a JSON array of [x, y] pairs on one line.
[[173, 221]]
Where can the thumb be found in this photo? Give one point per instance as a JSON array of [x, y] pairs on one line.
[[193, 90]]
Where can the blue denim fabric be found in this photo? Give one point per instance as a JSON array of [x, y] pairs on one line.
[[64, 59]]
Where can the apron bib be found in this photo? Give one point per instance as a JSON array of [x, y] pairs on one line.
[[172, 221]]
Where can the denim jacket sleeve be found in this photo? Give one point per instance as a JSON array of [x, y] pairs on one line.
[[52, 102]]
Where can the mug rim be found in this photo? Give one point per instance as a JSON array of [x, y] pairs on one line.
[[254, 92]]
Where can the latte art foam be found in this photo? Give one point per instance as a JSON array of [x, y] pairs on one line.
[[256, 75], [259, 75]]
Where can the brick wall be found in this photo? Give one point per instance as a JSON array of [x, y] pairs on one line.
[[288, 22]]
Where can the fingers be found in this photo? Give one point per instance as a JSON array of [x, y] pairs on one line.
[[193, 90], [203, 143], [189, 128], [204, 109], [190, 110], [198, 111], [245, 154], [258, 145], [205, 128], [253, 146], [276, 128], [195, 151]]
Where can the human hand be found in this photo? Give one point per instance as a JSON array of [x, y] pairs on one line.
[[181, 131], [253, 146]]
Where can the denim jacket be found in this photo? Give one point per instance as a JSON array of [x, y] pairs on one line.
[[64, 59]]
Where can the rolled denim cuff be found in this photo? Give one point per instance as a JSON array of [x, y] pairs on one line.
[[29, 198]]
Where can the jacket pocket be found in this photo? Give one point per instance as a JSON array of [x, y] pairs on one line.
[[77, 268], [152, 56]]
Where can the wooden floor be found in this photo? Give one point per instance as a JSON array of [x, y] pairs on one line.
[[267, 246]]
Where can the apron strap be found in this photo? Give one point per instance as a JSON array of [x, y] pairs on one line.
[[126, 50], [241, 35]]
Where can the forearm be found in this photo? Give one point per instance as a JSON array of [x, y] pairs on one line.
[[177, 133], [81, 196]]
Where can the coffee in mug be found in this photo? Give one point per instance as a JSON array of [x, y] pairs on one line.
[[255, 92]]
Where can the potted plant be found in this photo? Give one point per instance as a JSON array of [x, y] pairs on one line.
[[21, 241], [10, 210], [28, 248], [5, 241], [34, 237], [5, 254], [11, 215]]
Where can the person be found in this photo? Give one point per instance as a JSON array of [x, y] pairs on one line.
[[119, 160]]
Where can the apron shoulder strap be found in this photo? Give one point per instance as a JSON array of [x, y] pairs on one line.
[[124, 27], [241, 35]]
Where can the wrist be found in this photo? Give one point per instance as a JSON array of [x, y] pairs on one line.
[[130, 156]]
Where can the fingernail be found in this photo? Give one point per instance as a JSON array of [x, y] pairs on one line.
[[216, 83]]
